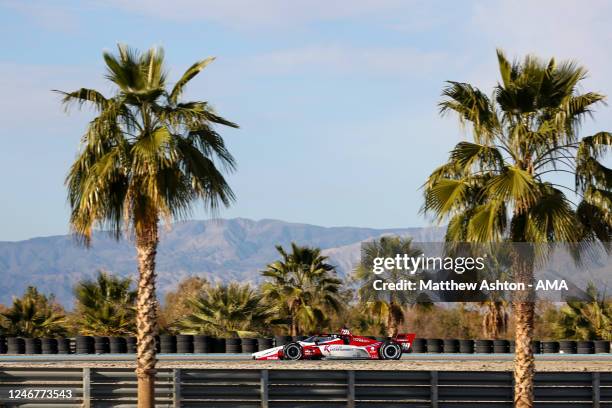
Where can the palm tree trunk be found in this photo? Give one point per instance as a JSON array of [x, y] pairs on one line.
[[523, 304], [146, 315], [524, 363]]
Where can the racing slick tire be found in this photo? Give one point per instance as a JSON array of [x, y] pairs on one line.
[[390, 350], [293, 351]]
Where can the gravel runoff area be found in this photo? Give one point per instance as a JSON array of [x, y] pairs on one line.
[[438, 362]]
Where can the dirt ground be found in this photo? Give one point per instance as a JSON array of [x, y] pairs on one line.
[[604, 365]]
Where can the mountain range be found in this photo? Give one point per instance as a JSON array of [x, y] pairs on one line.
[[224, 250]]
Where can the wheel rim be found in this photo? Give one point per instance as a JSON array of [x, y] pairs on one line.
[[390, 352], [293, 352]]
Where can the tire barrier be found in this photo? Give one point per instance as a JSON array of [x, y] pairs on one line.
[[33, 346], [63, 346], [466, 346], [585, 347], [184, 343], [419, 346], [567, 347], [202, 344], [48, 346], [15, 345], [602, 346], [483, 346], [101, 345], [131, 345], [264, 343], [249, 345], [167, 344], [232, 345], [218, 345], [282, 340], [434, 345], [550, 347], [501, 346], [450, 345], [117, 345], [84, 345]]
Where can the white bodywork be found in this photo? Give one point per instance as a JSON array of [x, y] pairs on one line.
[[327, 350]]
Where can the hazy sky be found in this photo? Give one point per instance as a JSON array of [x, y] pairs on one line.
[[336, 99]]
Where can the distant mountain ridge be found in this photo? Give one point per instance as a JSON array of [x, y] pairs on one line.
[[223, 250]]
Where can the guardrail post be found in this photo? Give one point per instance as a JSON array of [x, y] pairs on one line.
[[86, 388], [596, 389], [176, 387], [263, 379], [350, 397], [434, 388]]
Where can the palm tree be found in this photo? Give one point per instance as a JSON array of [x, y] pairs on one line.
[[34, 315], [497, 186], [227, 310], [389, 305], [303, 286], [145, 158], [586, 319], [106, 306]]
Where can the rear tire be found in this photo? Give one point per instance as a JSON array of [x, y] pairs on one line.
[[293, 351], [390, 350]]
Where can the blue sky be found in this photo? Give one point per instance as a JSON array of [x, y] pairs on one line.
[[336, 99]]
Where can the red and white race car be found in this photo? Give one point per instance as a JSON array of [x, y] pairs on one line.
[[339, 346]]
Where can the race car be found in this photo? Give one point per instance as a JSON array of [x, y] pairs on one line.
[[339, 346]]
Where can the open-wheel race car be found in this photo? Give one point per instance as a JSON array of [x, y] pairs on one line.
[[340, 346]]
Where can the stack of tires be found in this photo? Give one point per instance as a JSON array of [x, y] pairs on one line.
[[117, 345], [131, 345], [15, 345], [450, 345], [184, 343], [501, 346], [434, 345], [33, 346], [419, 346], [202, 344], [218, 345], [264, 343], [249, 345], [84, 344], [466, 346], [483, 346], [101, 345], [585, 347], [232, 345], [567, 347], [48, 346], [167, 344], [601, 346], [550, 347]]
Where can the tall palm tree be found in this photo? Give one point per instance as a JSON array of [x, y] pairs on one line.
[[389, 305], [106, 306], [33, 315], [497, 187], [304, 286], [146, 158], [227, 310]]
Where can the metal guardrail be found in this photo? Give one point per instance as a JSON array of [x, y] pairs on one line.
[[116, 387]]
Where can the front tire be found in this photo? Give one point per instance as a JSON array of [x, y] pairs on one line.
[[390, 350], [293, 351]]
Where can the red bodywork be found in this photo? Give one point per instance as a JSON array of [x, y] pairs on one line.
[[343, 345]]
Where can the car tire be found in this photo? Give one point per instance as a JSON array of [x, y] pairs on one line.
[[293, 351], [390, 350]]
